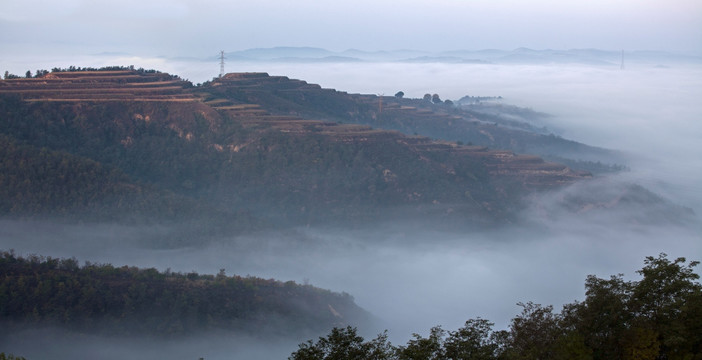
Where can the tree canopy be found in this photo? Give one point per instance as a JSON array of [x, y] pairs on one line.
[[657, 317], [101, 298]]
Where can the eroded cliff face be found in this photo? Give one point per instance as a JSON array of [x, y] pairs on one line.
[[268, 144]]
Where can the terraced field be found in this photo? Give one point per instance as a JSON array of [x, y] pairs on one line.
[[531, 171], [80, 86]]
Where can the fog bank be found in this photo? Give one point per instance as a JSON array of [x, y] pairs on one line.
[[411, 279], [49, 343]]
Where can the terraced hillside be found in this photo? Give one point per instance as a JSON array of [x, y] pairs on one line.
[[115, 85], [248, 95], [278, 148], [464, 124]]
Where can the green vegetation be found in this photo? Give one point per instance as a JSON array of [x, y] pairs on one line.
[[38, 291], [657, 317], [56, 183], [42, 72], [73, 68], [10, 357], [42, 183]]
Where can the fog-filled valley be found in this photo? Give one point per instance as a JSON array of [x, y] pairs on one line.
[[414, 274]]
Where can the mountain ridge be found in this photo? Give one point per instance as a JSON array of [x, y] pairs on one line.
[[279, 148], [522, 55]]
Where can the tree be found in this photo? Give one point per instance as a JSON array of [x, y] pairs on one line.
[[10, 357], [664, 288], [420, 348], [474, 341], [656, 318], [603, 316], [427, 97], [436, 99], [534, 333], [400, 94], [659, 303], [28, 75], [344, 344]]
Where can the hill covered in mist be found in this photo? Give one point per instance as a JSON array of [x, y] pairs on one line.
[[250, 149]]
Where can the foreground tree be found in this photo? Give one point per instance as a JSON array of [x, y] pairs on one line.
[[475, 341], [534, 333], [10, 357], [658, 317], [344, 344], [421, 348], [603, 317], [665, 306]]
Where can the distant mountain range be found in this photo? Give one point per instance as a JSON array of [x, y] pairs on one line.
[[516, 56]]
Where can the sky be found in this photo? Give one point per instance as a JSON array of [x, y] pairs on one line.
[[185, 28]]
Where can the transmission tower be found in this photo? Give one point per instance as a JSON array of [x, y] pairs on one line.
[[221, 63], [621, 67]]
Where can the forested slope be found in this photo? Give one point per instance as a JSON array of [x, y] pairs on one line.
[[102, 298]]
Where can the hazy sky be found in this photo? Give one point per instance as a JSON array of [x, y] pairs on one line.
[[203, 27]]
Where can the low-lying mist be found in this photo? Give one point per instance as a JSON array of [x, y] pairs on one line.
[[410, 276], [414, 276], [51, 343]]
